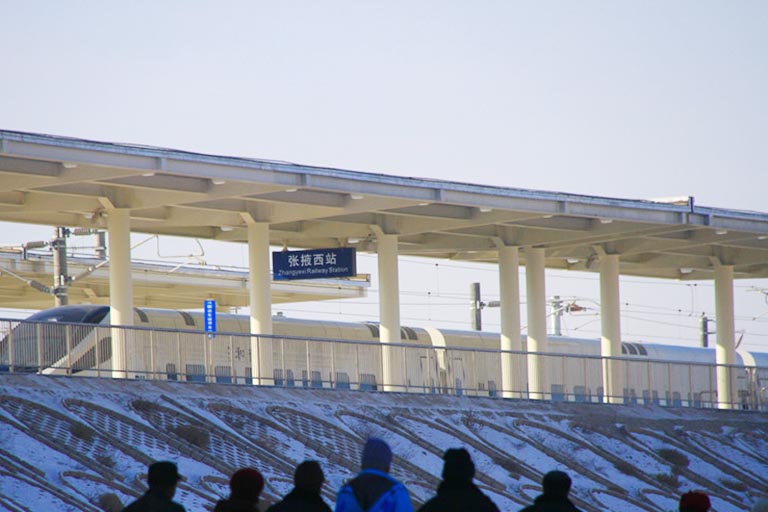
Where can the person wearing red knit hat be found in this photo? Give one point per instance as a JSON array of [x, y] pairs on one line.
[[245, 485], [694, 501]]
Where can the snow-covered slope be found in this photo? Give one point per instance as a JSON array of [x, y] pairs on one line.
[[74, 444]]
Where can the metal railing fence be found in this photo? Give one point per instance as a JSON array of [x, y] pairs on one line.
[[230, 358]]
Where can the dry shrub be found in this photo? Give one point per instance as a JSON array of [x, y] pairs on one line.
[[668, 480], [105, 459], [142, 405], [109, 502], [193, 435], [82, 431], [674, 457]]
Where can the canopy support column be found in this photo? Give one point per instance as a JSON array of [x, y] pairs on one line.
[[260, 298], [726, 348], [389, 308], [120, 288], [513, 367], [610, 329], [535, 277]]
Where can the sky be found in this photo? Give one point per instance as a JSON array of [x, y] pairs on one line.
[[622, 99]]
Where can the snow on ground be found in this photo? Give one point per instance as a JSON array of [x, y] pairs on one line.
[[611, 452]]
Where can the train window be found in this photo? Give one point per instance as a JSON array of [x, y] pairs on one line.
[[195, 373], [315, 380], [744, 399], [632, 349], [96, 316], [188, 320], [374, 328], [580, 394], [558, 392], [368, 382], [342, 380], [170, 371], [68, 314], [408, 333], [694, 399], [630, 397], [142, 315], [223, 374]]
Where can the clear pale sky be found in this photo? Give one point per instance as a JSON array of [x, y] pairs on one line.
[[625, 99]]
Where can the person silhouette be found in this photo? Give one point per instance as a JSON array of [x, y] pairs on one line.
[[373, 489], [556, 485], [162, 479], [456, 492], [308, 480]]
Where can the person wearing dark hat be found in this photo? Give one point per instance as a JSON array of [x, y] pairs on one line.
[[162, 478], [245, 488], [557, 485], [694, 501], [457, 493], [373, 489], [305, 497]]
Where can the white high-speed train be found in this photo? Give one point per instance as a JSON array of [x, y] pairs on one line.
[[172, 345]]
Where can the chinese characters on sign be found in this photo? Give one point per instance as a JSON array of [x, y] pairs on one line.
[[314, 264], [209, 307]]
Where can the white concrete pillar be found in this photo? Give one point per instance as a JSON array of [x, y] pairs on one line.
[[260, 297], [535, 277], [610, 328], [389, 310], [726, 348], [120, 289], [513, 367]]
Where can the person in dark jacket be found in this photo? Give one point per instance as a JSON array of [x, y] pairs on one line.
[[305, 497], [694, 501], [457, 493], [245, 488], [162, 478], [557, 485]]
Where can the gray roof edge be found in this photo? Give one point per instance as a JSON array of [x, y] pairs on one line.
[[292, 168]]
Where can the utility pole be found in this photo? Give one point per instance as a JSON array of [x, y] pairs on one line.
[[60, 275], [557, 311], [704, 330], [101, 245], [475, 307]]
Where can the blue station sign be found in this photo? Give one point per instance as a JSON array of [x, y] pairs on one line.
[[314, 264], [209, 309]]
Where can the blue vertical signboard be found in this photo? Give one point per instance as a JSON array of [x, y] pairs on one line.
[[209, 306], [314, 263]]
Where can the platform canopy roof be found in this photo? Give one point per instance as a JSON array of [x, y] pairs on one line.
[[158, 285], [59, 181]]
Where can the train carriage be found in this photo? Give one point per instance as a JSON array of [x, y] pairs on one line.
[[170, 344]]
